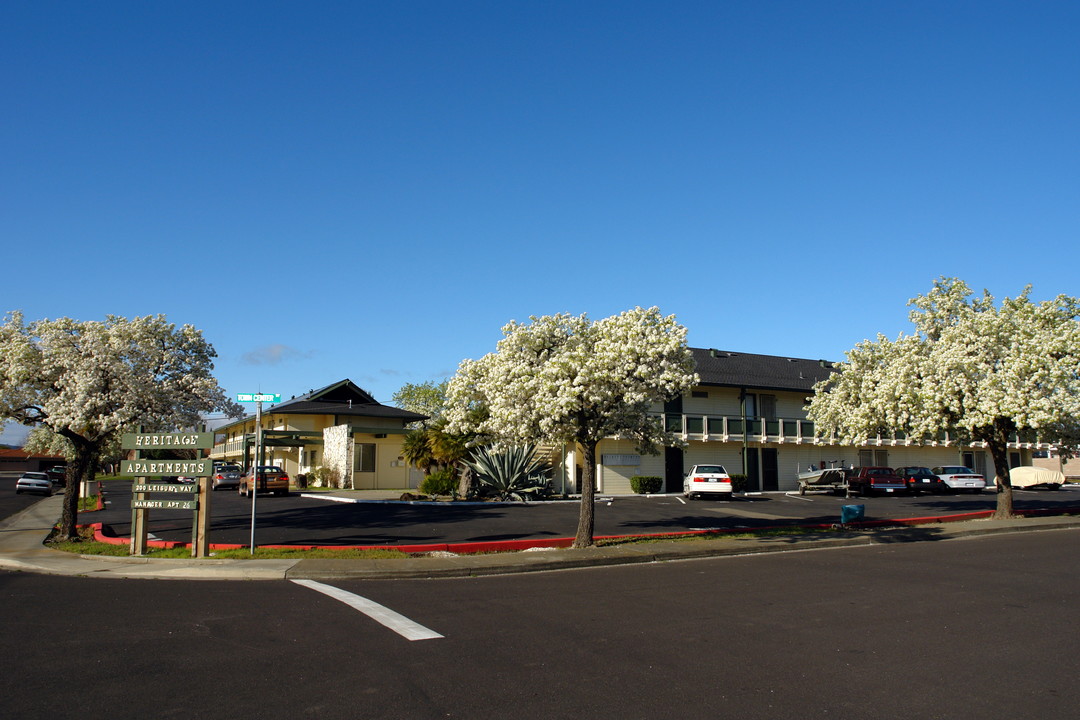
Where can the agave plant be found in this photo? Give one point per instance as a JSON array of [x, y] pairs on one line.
[[514, 472]]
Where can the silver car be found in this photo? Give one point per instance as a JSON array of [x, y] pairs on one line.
[[34, 482], [226, 476]]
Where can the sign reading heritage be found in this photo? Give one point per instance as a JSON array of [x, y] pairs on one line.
[[167, 441], [152, 468]]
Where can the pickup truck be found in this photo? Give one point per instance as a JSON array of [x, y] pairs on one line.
[[869, 480]]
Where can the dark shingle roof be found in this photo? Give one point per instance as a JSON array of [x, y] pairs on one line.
[[766, 372], [341, 398]]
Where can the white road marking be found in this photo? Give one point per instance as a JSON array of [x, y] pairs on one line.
[[385, 616], [797, 497]]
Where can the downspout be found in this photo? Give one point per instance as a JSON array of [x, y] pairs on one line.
[[745, 430]]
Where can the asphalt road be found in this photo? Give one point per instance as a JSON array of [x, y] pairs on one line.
[[10, 503], [980, 628], [296, 520]]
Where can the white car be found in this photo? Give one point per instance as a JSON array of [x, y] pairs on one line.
[[34, 482], [707, 480], [958, 477]]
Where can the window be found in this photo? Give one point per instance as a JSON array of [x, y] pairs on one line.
[[621, 459], [365, 457], [768, 406], [871, 458]]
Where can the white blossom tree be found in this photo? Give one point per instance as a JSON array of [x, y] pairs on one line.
[[89, 381], [567, 379], [976, 370]]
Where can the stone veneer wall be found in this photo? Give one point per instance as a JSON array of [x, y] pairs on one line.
[[338, 455]]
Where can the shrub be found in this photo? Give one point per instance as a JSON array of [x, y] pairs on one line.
[[440, 482], [738, 482], [320, 477], [515, 472], [646, 484]]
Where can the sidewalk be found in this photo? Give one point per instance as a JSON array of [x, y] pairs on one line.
[[22, 535]]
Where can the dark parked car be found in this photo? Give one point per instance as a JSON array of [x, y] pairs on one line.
[[869, 480], [58, 475], [921, 479]]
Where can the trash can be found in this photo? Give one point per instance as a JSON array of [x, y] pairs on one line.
[[849, 513]]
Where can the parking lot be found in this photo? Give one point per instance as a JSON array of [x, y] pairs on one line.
[[317, 520]]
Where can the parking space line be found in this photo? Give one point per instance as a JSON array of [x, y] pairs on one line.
[[383, 615]]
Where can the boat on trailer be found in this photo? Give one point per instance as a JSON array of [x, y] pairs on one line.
[[834, 478]]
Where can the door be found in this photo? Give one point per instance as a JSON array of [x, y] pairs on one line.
[[770, 470], [753, 470], [673, 470]]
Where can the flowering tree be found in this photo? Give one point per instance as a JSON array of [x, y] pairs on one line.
[[566, 379], [979, 371], [89, 381], [427, 398]]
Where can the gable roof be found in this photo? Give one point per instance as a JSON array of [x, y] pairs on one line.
[[766, 372], [341, 398]]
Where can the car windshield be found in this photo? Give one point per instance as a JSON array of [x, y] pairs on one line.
[[229, 468], [711, 469], [36, 475], [953, 470]]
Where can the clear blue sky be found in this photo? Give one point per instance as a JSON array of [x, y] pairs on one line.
[[371, 190]]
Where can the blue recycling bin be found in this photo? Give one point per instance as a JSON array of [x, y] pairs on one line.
[[848, 513]]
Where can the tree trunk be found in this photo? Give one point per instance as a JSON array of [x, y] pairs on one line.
[[999, 451], [464, 489], [587, 513], [77, 470]]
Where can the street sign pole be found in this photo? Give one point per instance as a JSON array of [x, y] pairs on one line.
[[258, 399], [254, 486]]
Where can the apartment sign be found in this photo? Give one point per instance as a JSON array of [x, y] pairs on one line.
[[182, 468]]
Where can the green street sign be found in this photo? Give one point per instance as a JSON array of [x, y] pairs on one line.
[[165, 504], [258, 397], [155, 468], [167, 441], [164, 488]]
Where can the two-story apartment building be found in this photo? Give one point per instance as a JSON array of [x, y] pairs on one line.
[[295, 436], [747, 413]]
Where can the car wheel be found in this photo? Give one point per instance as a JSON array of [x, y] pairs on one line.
[[18, 492]]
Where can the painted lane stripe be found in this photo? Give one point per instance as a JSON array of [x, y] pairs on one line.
[[398, 623]]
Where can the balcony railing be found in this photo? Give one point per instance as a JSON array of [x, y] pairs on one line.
[[728, 428]]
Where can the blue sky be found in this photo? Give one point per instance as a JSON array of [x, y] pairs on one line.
[[372, 189]]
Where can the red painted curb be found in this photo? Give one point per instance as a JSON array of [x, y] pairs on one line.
[[465, 548]]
